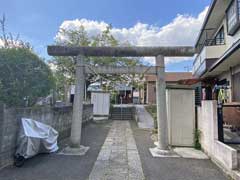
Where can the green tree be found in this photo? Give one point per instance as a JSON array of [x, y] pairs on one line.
[[23, 77], [79, 37]]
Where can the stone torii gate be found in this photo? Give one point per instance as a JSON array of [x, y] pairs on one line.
[[158, 52]]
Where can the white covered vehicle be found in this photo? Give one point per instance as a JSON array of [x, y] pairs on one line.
[[34, 138]]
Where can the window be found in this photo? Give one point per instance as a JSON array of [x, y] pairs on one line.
[[219, 38], [233, 15]]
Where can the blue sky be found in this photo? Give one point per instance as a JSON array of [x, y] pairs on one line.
[[38, 21]]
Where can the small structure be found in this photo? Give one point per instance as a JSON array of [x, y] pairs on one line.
[[124, 94], [101, 104], [181, 119]]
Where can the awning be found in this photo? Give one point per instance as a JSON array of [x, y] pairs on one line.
[[189, 81]]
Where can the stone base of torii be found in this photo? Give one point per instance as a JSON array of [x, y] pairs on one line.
[[162, 149]]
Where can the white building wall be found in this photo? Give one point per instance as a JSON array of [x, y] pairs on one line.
[[212, 52], [222, 154]]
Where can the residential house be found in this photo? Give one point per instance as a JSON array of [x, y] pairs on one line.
[[172, 78], [218, 54], [217, 66]]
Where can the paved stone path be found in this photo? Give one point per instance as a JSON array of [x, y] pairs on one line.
[[145, 120], [118, 158]]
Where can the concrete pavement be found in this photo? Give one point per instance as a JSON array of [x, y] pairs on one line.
[[120, 151], [172, 168]]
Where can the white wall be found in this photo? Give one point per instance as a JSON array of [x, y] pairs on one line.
[[222, 154], [212, 52]]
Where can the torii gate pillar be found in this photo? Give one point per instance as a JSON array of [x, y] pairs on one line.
[[162, 149], [75, 148], [76, 127], [161, 104]]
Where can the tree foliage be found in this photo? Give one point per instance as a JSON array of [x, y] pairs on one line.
[[65, 66], [23, 77]]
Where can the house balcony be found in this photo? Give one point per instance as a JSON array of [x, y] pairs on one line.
[[211, 51]]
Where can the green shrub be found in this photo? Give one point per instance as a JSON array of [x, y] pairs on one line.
[[197, 135], [23, 77]]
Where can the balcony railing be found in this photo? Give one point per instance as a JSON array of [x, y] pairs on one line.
[[211, 49], [211, 42], [214, 42]]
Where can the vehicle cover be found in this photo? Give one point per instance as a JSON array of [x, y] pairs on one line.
[[35, 137]]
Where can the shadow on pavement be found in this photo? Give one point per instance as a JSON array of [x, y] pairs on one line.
[[59, 167], [172, 168]]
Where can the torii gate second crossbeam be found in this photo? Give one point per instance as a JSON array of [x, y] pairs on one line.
[[159, 70], [120, 70]]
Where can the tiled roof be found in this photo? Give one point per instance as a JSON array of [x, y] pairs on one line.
[[172, 76]]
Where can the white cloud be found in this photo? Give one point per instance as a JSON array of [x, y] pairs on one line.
[[183, 30], [52, 66]]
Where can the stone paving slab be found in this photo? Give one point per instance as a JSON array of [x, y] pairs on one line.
[[119, 157], [190, 153]]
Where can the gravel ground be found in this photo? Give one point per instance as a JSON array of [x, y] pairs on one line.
[[59, 167], [172, 168]]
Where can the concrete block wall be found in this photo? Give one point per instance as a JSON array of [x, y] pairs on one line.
[[207, 123], [57, 117], [225, 155], [222, 154], [7, 135]]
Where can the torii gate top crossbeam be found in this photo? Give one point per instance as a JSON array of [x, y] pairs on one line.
[[173, 51]]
